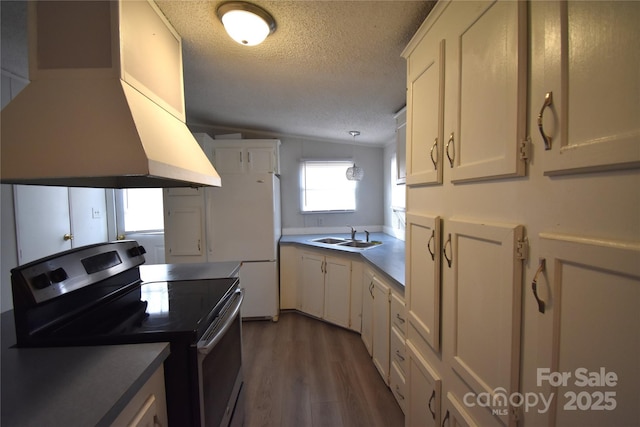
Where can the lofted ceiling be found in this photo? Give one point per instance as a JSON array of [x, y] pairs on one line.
[[330, 67]]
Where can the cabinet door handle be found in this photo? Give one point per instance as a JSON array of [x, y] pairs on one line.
[[400, 318], [433, 148], [446, 417], [432, 239], [241, 159], [534, 286], [433, 396], [548, 101], [67, 236], [398, 393], [449, 144], [371, 289], [400, 356], [450, 257]]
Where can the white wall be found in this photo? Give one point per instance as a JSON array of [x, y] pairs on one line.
[[369, 193]]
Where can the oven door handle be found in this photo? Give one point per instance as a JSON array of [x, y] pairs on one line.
[[217, 330]]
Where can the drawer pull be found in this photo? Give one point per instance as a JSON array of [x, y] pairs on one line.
[[399, 355], [433, 396], [398, 393], [400, 318]]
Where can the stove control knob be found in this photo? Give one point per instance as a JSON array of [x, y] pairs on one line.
[[40, 281], [58, 275], [137, 251]]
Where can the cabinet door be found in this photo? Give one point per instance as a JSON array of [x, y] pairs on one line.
[[423, 276], [483, 280], [229, 160], [184, 225], [425, 101], [367, 310], [312, 284], [289, 277], [424, 391], [591, 61], [486, 89], [591, 289], [381, 327], [337, 291], [355, 322], [261, 160], [401, 147]]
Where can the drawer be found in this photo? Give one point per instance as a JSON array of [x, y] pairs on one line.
[[398, 317], [397, 348], [397, 385]]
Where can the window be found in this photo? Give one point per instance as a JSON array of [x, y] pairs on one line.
[[142, 209], [325, 187]]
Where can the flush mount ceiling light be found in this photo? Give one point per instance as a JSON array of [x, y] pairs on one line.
[[355, 173], [246, 23]]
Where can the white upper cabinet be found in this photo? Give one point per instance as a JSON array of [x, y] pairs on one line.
[[467, 87], [237, 156], [592, 74]]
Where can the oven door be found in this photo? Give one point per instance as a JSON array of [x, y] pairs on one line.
[[220, 367]]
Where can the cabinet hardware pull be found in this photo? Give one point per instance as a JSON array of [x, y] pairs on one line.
[[199, 249], [451, 158], [241, 161], [432, 239], [548, 101], [434, 161], [67, 237], [433, 396], [400, 318], [371, 289], [448, 258], [446, 417], [398, 393], [399, 355], [534, 285]]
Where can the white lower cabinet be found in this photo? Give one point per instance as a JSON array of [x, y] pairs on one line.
[[148, 408], [329, 288], [424, 387], [367, 310], [381, 327]]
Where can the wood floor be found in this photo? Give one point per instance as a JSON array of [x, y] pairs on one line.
[[302, 372]]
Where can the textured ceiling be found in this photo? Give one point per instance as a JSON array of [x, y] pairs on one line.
[[330, 67]]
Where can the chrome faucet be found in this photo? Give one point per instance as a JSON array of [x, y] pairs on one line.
[[366, 233], [353, 233]]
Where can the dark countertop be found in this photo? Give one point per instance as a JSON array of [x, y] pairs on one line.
[[387, 257], [189, 271], [71, 386]]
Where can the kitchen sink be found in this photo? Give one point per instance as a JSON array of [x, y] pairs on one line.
[[359, 244], [330, 240]]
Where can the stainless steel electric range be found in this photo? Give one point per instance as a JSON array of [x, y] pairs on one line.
[[94, 295]]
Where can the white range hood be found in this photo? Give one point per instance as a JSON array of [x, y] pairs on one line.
[[105, 106]]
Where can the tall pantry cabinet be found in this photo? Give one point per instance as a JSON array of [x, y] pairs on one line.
[[523, 214]]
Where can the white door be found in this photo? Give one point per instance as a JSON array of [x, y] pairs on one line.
[[54, 219], [312, 300], [591, 349], [591, 63], [381, 327], [42, 221], [336, 291], [423, 276], [367, 310]]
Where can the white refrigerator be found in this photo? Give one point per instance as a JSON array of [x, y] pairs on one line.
[[244, 225]]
